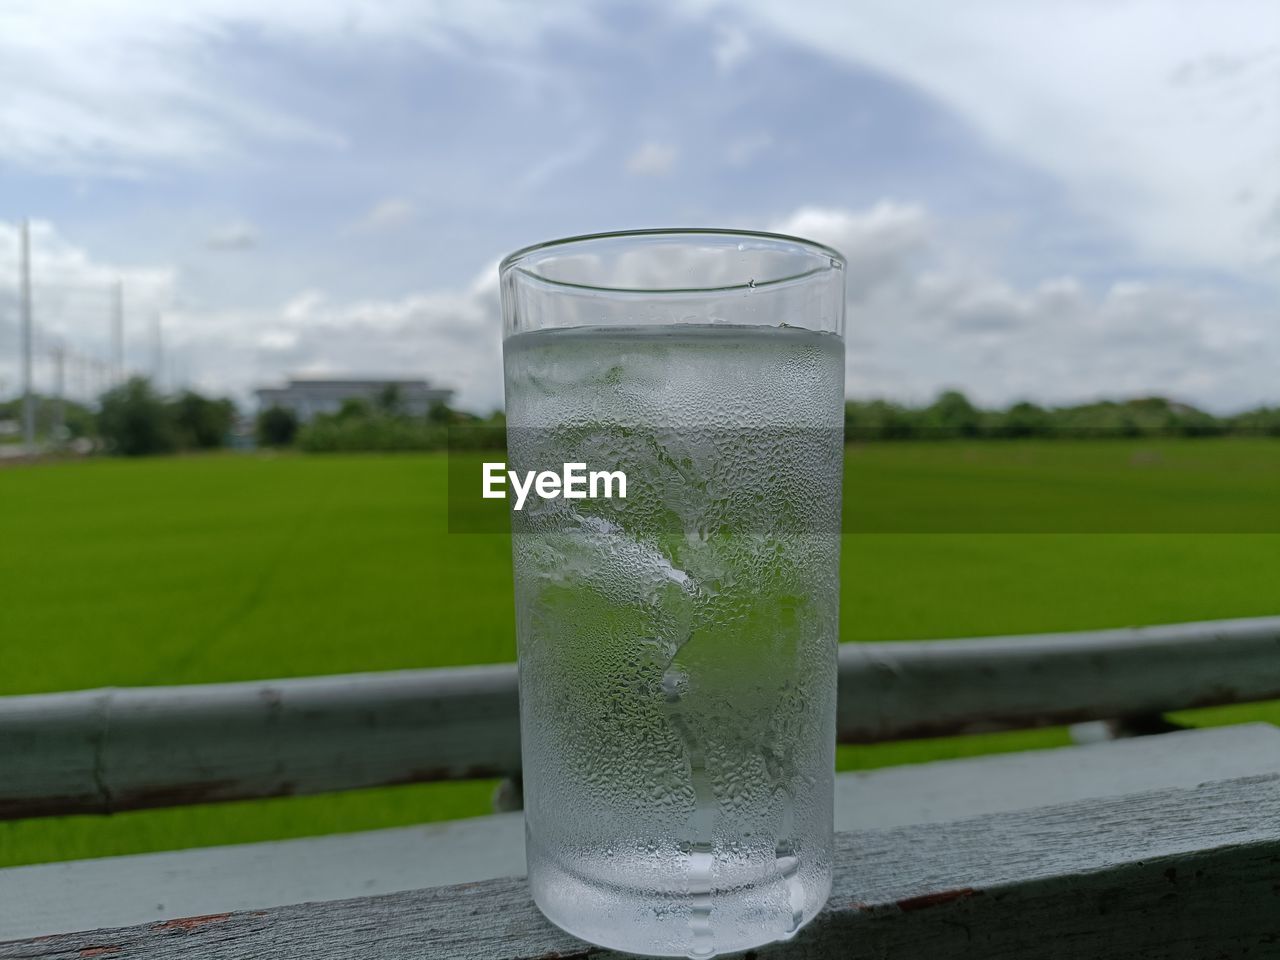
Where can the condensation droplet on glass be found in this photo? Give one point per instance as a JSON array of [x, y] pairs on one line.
[[724, 797]]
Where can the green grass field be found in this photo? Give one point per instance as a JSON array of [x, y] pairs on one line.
[[240, 567]]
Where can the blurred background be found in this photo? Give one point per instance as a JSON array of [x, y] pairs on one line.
[[247, 283]]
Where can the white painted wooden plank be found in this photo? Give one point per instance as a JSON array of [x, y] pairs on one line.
[[1174, 874], [951, 790], [117, 891]]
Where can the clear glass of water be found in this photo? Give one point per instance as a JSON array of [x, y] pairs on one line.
[[677, 646]]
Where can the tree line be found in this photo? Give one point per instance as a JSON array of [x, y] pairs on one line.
[[952, 415], [131, 419], [383, 424], [134, 419]]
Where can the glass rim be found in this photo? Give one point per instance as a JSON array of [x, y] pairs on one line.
[[509, 263]]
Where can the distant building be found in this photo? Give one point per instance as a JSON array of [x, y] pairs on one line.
[[307, 397]]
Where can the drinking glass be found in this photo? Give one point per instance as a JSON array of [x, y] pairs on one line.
[[677, 646]]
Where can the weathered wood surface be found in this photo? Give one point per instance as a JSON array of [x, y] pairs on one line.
[[119, 749], [958, 789], [118, 891], [1175, 874]]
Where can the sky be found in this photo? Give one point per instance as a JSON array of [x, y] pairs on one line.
[[1053, 201]]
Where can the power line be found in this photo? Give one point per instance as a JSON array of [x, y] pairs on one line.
[[73, 308], [67, 281], [70, 279], [98, 293]]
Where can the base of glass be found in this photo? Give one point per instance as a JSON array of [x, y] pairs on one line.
[[676, 923]]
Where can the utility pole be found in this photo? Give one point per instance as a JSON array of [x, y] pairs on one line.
[[28, 391], [59, 391], [157, 352], [117, 334], [77, 387]]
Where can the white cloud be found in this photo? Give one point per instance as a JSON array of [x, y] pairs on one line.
[[1001, 343], [113, 87], [387, 215], [452, 338], [879, 243], [278, 340], [920, 319], [1162, 119], [238, 235], [652, 159], [732, 46], [298, 309], [923, 316]]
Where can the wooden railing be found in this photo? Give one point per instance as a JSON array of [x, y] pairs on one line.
[[103, 751], [1181, 874]]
